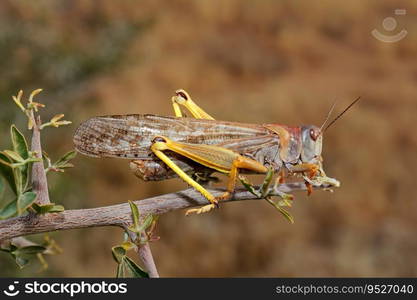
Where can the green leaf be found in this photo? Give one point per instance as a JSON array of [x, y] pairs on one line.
[[267, 182], [146, 223], [285, 213], [19, 142], [21, 262], [9, 210], [7, 171], [134, 269], [14, 155], [127, 245], [47, 208], [42, 261], [33, 249], [10, 156], [135, 216], [249, 186], [7, 161], [121, 270], [20, 146], [51, 245], [41, 209], [285, 202], [1, 187], [5, 250], [57, 208], [24, 201], [126, 267], [45, 155], [118, 253], [18, 180], [63, 161], [66, 166]]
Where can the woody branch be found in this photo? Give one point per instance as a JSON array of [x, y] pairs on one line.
[[120, 214]]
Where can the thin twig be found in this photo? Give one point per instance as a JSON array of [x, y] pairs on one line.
[[145, 254], [118, 215], [39, 180]]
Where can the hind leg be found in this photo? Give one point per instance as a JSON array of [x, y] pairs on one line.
[[215, 157], [182, 98]]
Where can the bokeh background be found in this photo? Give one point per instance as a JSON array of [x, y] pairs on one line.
[[250, 61]]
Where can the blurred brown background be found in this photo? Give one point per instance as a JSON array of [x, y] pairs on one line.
[[251, 61]]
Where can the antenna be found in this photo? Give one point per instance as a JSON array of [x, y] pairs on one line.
[[328, 115], [342, 113]]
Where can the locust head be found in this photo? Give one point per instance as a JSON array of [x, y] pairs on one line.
[[312, 140], [311, 147]]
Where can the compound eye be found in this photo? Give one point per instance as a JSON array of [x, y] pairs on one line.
[[314, 134]]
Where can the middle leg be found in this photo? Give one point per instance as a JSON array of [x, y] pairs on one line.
[[310, 169]]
